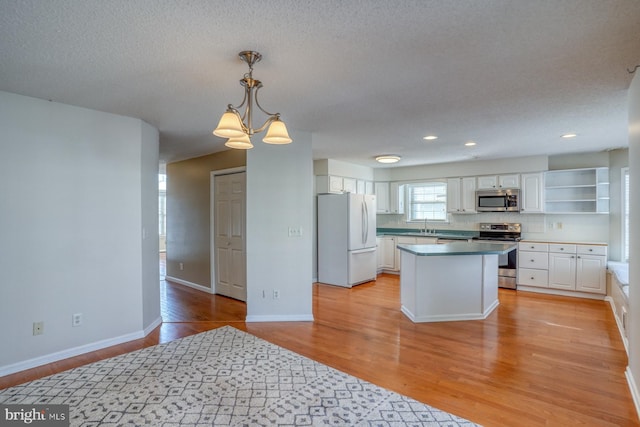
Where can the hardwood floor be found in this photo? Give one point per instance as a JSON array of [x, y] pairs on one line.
[[536, 361]]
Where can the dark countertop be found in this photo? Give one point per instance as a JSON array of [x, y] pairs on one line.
[[459, 248], [442, 234]]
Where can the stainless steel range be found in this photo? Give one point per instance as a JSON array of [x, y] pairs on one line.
[[508, 263]]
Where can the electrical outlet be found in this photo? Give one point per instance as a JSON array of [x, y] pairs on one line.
[[181, 266], [76, 319], [276, 294], [295, 232], [38, 328]]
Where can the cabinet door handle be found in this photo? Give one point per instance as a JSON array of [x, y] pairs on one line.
[[532, 260], [532, 278], [562, 249], [590, 250]]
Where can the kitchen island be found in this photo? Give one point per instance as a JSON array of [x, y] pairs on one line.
[[454, 281]]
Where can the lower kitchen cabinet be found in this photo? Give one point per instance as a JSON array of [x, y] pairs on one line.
[[389, 254], [565, 267], [386, 253], [533, 264]]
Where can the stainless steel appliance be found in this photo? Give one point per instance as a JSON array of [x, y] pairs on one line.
[[498, 200], [346, 239], [508, 263]]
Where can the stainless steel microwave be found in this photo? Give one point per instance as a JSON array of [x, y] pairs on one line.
[[498, 200]]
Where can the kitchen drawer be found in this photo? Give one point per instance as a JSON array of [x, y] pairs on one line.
[[592, 249], [528, 259], [533, 277], [533, 246], [562, 248]]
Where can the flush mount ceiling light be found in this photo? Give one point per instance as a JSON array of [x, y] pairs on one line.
[[430, 137], [569, 135], [239, 127], [469, 143], [388, 158]]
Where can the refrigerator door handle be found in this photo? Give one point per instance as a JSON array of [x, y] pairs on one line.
[[363, 251], [363, 207]]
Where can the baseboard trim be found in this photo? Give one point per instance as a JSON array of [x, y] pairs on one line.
[[152, 326], [77, 351], [65, 354], [189, 284], [280, 318], [633, 387], [560, 292], [625, 341]]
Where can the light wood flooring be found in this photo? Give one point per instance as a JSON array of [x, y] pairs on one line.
[[536, 361]]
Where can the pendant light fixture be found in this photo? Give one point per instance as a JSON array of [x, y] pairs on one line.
[[238, 127]]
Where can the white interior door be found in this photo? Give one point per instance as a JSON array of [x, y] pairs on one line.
[[229, 241]]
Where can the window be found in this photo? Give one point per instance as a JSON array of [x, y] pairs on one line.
[[625, 214], [427, 201]]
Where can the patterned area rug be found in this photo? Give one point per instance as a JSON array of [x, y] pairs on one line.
[[223, 377]]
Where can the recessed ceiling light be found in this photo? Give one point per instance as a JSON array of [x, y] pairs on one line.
[[388, 158], [568, 135], [430, 137], [469, 143]]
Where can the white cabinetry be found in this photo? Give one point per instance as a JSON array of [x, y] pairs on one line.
[[328, 184], [410, 240], [591, 269], [461, 195], [386, 253], [382, 197], [389, 198], [498, 181], [339, 184], [562, 266], [573, 267], [533, 264], [577, 191], [349, 185], [364, 187], [531, 194]]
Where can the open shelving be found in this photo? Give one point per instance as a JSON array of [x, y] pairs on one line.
[[577, 191]]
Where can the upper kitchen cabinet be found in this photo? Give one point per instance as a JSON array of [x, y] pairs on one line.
[[577, 191], [338, 184], [389, 198], [364, 187], [531, 194], [349, 185], [497, 182], [329, 184], [461, 195]]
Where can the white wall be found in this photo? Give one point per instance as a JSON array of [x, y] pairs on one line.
[[280, 195], [633, 371], [150, 227], [70, 235], [618, 160]]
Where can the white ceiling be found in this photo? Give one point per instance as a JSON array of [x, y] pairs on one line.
[[366, 77]]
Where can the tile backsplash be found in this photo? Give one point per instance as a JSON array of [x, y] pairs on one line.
[[593, 228]]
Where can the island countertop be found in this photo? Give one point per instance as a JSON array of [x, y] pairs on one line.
[[459, 248]]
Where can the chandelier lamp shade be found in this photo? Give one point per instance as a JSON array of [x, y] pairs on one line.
[[237, 126]]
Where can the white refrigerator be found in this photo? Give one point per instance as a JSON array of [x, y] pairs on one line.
[[346, 239]]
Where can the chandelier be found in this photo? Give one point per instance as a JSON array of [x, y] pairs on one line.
[[238, 127]]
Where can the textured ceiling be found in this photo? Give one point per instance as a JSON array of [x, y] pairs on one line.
[[365, 77]]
